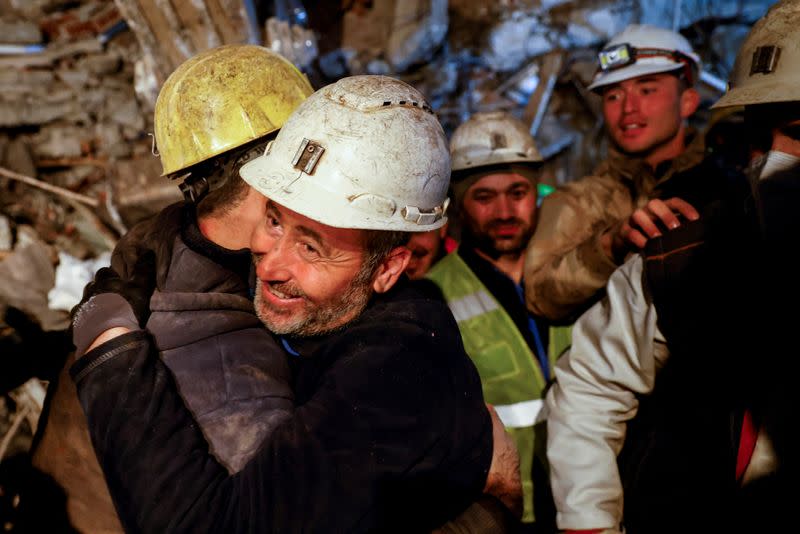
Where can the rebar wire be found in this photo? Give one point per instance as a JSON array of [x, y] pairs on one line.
[[33, 182]]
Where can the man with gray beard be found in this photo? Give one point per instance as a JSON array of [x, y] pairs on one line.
[[390, 431]]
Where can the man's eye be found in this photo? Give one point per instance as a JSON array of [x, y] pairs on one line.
[[272, 221], [309, 249]]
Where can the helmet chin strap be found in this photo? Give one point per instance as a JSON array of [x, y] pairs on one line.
[[194, 188]]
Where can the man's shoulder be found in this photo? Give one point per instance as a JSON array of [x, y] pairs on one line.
[[157, 234], [405, 329], [409, 306]]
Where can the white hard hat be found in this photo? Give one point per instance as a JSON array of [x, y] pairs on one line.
[[492, 138], [365, 152], [767, 67], [644, 49]]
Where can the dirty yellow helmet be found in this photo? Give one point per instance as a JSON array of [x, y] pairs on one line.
[[222, 99], [766, 69]]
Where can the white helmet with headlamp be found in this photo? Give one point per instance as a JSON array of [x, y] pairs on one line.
[[641, 49], [366, 152]]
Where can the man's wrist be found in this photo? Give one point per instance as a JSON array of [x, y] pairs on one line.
[[106, 336]]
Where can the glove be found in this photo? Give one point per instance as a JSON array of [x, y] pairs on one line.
[[112, 301]]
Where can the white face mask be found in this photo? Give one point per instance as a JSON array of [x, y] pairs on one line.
[[766, 165], [775, 162]]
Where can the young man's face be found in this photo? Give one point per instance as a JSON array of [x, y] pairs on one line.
[[310, 276], [644, 115], [499, 211]]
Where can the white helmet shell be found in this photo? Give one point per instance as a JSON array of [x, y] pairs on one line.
[[365, 152], [645, 36], [766, 69], [492, 138]]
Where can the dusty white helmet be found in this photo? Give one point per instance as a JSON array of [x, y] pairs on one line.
[[365, 152], [767, 65], [492, 138], [642, 49]]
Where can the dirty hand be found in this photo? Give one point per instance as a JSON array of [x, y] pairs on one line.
[[110, 301], [647, 222], [504, 480]]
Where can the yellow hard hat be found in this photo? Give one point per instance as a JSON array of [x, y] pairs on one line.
[[221, 99]]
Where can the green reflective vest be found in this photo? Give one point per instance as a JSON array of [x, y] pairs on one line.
[[511, 376]]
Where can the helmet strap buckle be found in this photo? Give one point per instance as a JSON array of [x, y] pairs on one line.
[[194, 188]]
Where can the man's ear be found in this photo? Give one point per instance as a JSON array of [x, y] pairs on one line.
[[690, 101], [443, 231], [390, 269]]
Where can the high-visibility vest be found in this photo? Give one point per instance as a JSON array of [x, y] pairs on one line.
[[510, 374]]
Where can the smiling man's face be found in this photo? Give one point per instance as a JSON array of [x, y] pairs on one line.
[[499, 211], [311, 277], [644, 115]]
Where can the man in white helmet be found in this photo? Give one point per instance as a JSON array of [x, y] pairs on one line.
[[670, 413], [390, 432], [495, 174], [645, 79]]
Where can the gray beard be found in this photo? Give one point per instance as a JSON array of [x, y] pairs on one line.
[[317, 318]]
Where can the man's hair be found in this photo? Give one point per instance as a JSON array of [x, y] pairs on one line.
[[377, 245], [224, 169]]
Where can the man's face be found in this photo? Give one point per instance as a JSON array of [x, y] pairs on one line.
[[646, 113], [498, 211], [310, 278], [425, 247]]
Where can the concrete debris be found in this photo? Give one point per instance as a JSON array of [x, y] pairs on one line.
[[686, 12], [72, 275], [5, 235], [26, 276], [18, 31], [85, 21], [58, 142], [294, 42], [419, 28]]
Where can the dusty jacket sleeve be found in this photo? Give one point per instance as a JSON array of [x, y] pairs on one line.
[[319, 471], [565, 264], [616, 351]]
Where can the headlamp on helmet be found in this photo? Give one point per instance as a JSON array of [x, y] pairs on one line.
[[623, 54]]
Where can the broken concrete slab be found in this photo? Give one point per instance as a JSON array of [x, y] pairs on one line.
[[20, 31], [26, 276]]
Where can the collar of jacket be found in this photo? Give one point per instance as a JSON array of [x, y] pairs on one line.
[[639, 172]]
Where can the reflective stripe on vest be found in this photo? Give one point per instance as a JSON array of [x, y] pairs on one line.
[[472, 305], [521, 414]]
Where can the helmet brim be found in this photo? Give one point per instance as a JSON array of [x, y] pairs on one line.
[[301, 192], [636, 70]]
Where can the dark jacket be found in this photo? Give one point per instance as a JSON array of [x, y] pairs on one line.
[[681, 449], [390, 433], [201, 307], [230, 371]]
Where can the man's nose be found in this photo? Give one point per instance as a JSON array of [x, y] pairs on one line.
[[504, 207], [630, 102], [273, 261]]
